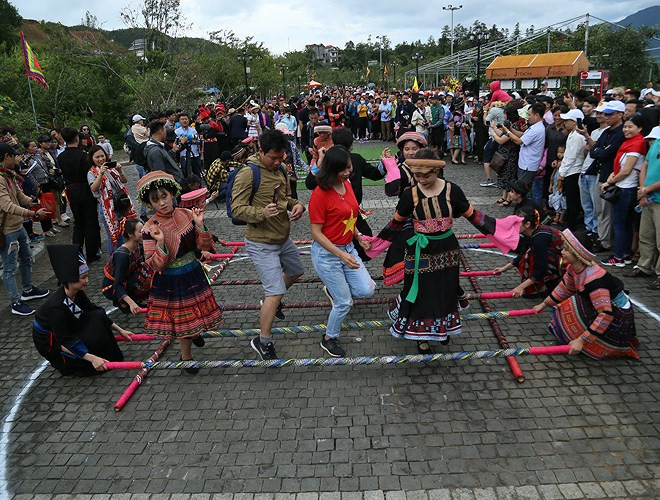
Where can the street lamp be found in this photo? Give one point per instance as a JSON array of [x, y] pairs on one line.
[[417, 57], [380, 55], [283, 68], [452, 8], [244, 57], [480, 36], [393, 64]]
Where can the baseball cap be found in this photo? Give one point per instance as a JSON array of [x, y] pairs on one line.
[[654, 134], [6, 149], [137, 118], [573, 114], [610, 107]]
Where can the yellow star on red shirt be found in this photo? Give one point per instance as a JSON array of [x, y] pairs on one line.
[[350, 224]]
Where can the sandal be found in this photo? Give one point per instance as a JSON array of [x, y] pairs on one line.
[[424, 350], [500, 201], [62, 224]]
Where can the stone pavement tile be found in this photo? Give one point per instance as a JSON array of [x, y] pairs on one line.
[[571, 490], [635, 488], [484, 494], [439, 494], [550, 492], [462, 494], [395, 495], [613, 489], [592, 490]]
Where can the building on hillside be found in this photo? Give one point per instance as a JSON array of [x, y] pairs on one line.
[[329, 54], [138, 47]]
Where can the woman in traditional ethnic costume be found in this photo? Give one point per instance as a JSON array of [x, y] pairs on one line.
[[428, 307], [127, 278], [181, 302], [72, 333], [590, 310], [398, 177], [540, 264]]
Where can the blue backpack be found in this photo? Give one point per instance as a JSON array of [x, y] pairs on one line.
[[256, 180]]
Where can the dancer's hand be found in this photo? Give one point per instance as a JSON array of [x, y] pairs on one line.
[[296, 212], [98, 363], [206, 255], [499, 270], [349, 260], [125, 333], [538, 308], [157, 234], [364, 244], [135, 308], [518, 291], [576, 345], [198, 216]]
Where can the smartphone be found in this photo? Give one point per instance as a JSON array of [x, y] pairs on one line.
[[276, 193], [506, 123], [579, 123], [110, 164]]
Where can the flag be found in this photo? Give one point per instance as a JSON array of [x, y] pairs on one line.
[[368, 72], [386, 71], [32, 68], [415, 86]]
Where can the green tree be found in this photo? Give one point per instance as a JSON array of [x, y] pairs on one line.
[[10, 22]]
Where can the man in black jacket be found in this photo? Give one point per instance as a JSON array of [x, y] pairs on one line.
[[74, 165], [157, 156], [404, 112], [307, 133], [238, 125]]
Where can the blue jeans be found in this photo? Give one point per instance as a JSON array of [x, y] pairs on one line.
[[16, 253], [587, 195], [537, 191], [343, 283], [622, 222], [109, 246]]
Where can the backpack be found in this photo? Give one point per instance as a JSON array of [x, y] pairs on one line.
[[138, 156], [131, 144], [256, 180]]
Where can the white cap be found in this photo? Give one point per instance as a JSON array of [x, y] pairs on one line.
[[573, 114], [611, 107], [656, 93], [544, 82], [609, 92], [654, 134], [137, 118]]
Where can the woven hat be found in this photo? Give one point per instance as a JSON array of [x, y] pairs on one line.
[[411, 136], [572, 244], [156, 178], [320, 129], [424, 165]]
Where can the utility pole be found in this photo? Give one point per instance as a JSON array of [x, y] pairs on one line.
[[417, 57], [393, 64], [479, 35], [586, 37], [452, 8], [244, 56], [549, 31], [283, 68]]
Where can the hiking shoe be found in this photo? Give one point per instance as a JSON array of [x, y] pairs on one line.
[[332, 347], [279, 314], [21, 309], [34, 293], [613, 261], [327, 294], [199, 341], [265, 352]]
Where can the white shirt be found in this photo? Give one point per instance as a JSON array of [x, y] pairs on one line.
[[588, 160], [574, 155], [421, 120], [632, 181], [548, 93]]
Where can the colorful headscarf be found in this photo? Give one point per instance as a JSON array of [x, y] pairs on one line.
[[577, 248]]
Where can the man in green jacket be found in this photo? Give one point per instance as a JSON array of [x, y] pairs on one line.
[[267, 239]]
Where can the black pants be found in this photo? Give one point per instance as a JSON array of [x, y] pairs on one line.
[[573, 204], [86, 230], [191, 165]]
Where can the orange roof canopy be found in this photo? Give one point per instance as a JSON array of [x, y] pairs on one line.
[[553, 64]]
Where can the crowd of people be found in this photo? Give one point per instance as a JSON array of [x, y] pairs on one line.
[[582, 174]]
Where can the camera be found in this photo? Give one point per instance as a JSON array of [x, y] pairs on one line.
[[506, 123]]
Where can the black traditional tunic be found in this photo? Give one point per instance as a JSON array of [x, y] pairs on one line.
[[78, 325]]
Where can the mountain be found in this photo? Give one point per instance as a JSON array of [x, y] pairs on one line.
[[646, 17]]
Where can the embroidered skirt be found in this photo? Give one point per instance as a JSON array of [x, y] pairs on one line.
[[181, 303], [434, 314], [571, 318]]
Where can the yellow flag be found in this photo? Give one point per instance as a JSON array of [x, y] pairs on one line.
[[415, 86]]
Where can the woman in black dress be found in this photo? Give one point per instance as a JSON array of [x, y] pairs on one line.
[[73, 334]]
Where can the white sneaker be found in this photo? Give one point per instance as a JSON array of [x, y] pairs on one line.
[[66, 218]]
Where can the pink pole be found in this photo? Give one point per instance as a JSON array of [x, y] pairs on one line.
[[242, 243], [470, 274], [470, 236], [138, 337], [490, 295], [222, 255], [124, 365], [553, 349], [521, 312]]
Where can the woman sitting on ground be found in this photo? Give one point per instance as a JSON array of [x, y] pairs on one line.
[[127, 279], [590, 309], [72, 333]]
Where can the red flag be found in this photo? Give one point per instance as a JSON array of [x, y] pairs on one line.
[[32, 68]]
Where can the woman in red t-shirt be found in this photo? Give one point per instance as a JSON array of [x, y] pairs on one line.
[[333, 212]]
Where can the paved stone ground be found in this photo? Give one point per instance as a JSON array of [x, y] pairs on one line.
[[575, 428]]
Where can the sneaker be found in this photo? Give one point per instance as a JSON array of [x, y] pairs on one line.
[[34, 293], [279, 314], [332, 347], [486, 183], [36, 238], [66, 218], [21, 309], [265, 352], [627, 260], [55, 230], [199, 341], [613, 261], [327, 294]]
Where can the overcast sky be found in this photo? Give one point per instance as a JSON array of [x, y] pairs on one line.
[[290, 25]]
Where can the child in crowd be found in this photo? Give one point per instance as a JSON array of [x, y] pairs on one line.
[[557, 199]]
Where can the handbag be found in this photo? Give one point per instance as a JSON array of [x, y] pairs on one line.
[[47, 201], [498, 162], [120, 199], [611, 193]]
